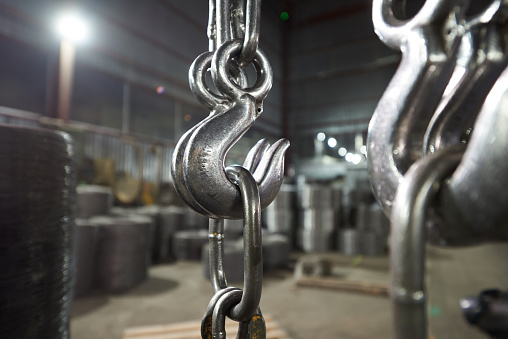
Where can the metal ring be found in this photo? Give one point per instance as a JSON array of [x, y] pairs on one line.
[[394, 31], [228, 88], [197, 82]]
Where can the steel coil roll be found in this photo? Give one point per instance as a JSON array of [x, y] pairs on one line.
[[87, 240], [232, 262], [187, 245], [349, 242], [122, 255], [280, 221], [193, 221], [93, 200], [315, 240], [37, 199], [171, 219], [316, 196], [317, 219], [276, 248]]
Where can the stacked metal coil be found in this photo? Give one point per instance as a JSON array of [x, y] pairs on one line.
[[93, 200], [370, 235], [276, 249], [373, 227], [280, 213], [349, 242], [232, 262], [87, 240], [37, 198], [122, 254], [193, 221], [318, 212], [171, 220], [187, 245]]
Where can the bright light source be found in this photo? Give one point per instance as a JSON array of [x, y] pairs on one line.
[[72, 27], [357, 158], [349, 157], [342, 151], [332, 142], [321, 136], [363, 149]]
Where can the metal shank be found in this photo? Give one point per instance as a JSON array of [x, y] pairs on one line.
[[408, 237]]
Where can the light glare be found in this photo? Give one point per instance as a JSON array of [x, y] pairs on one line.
[[363, 149], [342, 151], [321, 136], [349, 157], [357, 158], [72, 27], [332, 142]]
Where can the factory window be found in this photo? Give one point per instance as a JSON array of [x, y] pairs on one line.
[[97, 98], [22, 77]]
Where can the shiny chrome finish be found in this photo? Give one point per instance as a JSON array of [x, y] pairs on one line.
[[203, 163], [428, 43], [407, 255], [252, 244], [481, 60], [474, 199]]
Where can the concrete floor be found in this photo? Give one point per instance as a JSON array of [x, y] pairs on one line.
[[179, 292]]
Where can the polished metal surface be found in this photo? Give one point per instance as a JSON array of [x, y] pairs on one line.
[[482, 58], [408, 239], [473, 199], [428, 43], [37, 242]]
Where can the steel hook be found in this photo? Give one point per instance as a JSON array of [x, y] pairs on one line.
[[203, 160], [481, 60], [401, 117]]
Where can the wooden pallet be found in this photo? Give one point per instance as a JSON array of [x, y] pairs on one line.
[[191, 330]]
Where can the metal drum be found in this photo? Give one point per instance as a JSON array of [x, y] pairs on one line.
[[122, 255], [187, 245], [349, 242], [37, 199], [87, 240], [93, 200], [232, 262]]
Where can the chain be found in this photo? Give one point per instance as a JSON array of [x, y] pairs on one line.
[[235, 192]]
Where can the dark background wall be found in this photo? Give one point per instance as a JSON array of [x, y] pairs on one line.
[[330, 69]]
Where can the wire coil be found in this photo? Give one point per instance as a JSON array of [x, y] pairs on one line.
[[37, 197]]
